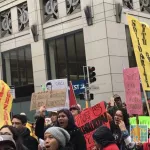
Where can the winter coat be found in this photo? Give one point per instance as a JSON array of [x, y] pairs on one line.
[[111, 147], [76, 136], [28, 141]]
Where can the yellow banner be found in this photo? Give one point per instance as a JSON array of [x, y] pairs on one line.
[[5, 104], [6, 98], [140, 34]]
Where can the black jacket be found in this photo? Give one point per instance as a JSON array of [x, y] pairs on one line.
[[41, 128], [30, 142], [77, 139]]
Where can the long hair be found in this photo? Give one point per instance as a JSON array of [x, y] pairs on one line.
[[71, 122], [16, 137], [125, 116]]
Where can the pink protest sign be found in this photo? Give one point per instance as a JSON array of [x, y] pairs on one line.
[[132, 91]]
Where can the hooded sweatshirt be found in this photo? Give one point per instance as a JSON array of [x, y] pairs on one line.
[[76, 136], [105, 139]]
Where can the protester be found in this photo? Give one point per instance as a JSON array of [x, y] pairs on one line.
[[19, 121], [40, 127], [7, 143], [53, 116], [120, 130], [10, 130], [104, 139], [75, 110], [117, 105], [66, 121], [56, 138]]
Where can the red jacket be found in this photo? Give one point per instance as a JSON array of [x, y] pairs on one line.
[[146, 146], [111, 147]]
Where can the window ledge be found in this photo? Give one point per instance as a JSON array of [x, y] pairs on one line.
[[62, 20]]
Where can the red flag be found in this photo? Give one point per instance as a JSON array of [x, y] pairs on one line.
[[72, 97]]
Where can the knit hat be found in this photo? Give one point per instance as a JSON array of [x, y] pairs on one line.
[[103, 136], [59, 134], [7, 139]]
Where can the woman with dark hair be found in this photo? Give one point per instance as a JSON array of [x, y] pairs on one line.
[[10, 130], [120, 130], [66, 121]]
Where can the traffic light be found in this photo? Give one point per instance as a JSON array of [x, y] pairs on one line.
[[91, 96], [92, 74], [82, 96]]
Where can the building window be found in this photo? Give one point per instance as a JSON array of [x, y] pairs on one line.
[[73, 6], [6, 23], [23, 16], [145, 5], [131, 55], [17, 70], [50, 10], [66, 57], [128, 4]]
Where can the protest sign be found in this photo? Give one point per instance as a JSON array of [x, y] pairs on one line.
[[142, 137], [140, 34], [58, 84], [132, 91], [50, 99], [145, 120], [89, 120]]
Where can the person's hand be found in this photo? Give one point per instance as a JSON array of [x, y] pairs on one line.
[[42, 111], [139, 145], [122, 125]]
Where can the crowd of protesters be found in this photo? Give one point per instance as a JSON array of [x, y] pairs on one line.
[[61, 133]]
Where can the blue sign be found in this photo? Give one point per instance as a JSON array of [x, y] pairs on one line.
[[78, 86]]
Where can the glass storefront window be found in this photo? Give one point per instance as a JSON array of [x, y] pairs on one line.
[[66, 57], [18, 71]]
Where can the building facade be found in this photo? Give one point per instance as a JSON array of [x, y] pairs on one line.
[[54, 39]]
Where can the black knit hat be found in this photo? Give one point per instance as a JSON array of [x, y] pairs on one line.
[[103, 136]]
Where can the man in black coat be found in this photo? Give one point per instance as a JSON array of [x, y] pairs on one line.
[[19, 122]]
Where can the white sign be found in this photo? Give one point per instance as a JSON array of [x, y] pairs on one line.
[[12, 91], [57, 85]]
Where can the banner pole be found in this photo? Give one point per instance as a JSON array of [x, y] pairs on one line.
[[145, 96]]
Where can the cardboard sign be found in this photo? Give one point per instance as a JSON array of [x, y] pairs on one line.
[[145, 120], [132, 91], [50, 99], [58, 84], [89, 120], [135, 136]]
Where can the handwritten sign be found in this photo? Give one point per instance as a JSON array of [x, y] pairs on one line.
[[55, 98], [145, 120], [89, 120], [132, 91], [142, 137], [58, 84]]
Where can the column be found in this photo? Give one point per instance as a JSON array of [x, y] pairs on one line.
[[14, 19], [38, 48]]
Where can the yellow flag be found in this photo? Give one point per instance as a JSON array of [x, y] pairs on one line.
[[4, 117], [6, 98], [140, 34], [5, 104]]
